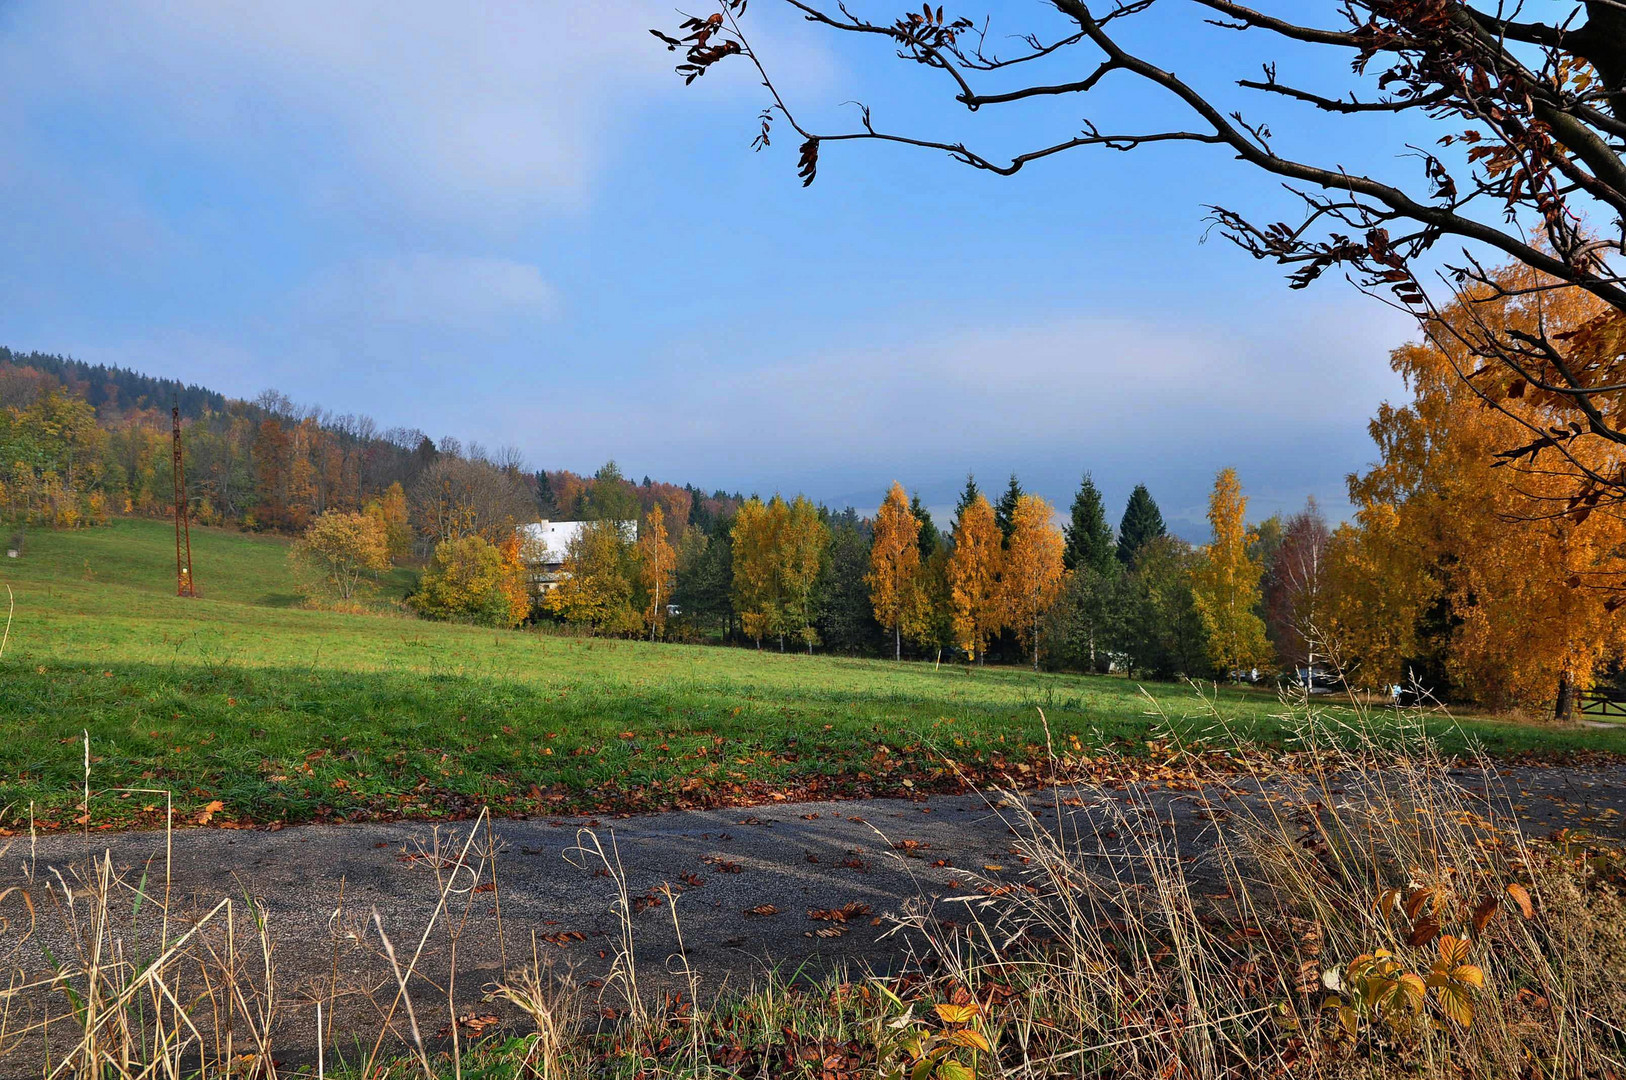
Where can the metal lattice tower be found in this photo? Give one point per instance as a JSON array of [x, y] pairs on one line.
[[184, 585]]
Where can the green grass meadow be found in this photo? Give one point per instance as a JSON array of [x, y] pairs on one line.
[[288, 714]]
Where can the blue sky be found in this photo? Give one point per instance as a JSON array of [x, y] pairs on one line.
[[514, 225]]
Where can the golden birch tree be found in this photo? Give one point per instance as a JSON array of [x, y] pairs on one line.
[[894, 575], [1225, 582], [778, 550], [974, 571], [802, 540], [657, 569], [1034, 570], [756, 599]]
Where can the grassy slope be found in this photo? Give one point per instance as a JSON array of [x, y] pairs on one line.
[[288, 714]]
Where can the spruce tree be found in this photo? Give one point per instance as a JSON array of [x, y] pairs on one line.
[[1142, 521], [545, 503], [1089, 537], [1005, 512], [967, 497], [929, 536]]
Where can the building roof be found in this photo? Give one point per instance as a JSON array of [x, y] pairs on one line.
[[552, 538]]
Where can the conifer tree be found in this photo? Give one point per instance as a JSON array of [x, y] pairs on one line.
[[545, 503], [1005, 512], [968, 496], [846, 617], [930, 537], [1142, 521], [1089, 537]]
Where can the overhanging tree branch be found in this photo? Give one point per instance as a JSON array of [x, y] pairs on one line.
[[1531, 161]]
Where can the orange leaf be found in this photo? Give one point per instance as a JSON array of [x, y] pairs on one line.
[[1484, 912], [1424, 932], [957, 1014], [1453, 950]]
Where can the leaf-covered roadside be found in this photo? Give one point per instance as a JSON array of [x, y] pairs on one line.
[[1299, 1009]]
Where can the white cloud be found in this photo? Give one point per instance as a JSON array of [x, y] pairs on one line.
[[466, 294], [1057, 383], [484, 112], [1133, 400]]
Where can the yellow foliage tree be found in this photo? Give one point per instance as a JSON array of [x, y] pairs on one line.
[[1527, 575], [515, 582], [657, 569], [894, 575], [803, 541], [778, 549], [1225, 583], [339, 553], [470, 580], [1376, 581], [756, 598], [390, 509], [51, 455], [974, 571], [1034, 569], [596, 581]]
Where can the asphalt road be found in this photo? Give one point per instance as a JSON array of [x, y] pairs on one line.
[[741, 882]]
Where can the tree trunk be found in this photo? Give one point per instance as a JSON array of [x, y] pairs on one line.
[[1564, 710], [897, 641]]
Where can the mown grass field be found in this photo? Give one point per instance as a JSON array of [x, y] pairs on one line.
[[287, 714]]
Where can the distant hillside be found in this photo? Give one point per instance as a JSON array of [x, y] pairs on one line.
[[273, 464], [118, 388]]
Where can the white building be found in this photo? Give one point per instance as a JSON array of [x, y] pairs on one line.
[[546, 543]]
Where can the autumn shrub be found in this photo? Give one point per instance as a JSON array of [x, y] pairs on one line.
[[339, 557], [471, 580]]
